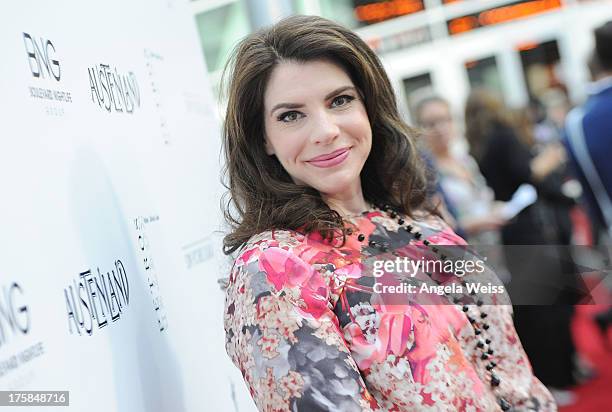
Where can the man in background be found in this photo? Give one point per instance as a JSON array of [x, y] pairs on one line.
[[589, 142]]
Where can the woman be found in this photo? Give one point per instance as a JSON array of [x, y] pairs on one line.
[[543, 285], [313, 140], [459, 176]]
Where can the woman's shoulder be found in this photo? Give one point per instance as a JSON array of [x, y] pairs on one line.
[[436, 229], [257, 244], [280, 264]]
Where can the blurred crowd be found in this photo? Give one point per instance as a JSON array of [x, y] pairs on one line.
[[539, 177]]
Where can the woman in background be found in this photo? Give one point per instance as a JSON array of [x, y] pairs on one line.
[[459, 176], [325, 184], [543, 278]]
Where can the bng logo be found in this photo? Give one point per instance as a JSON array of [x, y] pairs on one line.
[[41, 57], [14, 314]]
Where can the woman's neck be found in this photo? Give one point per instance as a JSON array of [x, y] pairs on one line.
[[348, 203]]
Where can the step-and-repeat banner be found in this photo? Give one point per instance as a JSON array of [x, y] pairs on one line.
[[109, 209]]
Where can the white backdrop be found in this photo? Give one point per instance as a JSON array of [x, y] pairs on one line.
[[109, 207]]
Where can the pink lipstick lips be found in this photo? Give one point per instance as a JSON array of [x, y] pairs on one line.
[[330, 159]]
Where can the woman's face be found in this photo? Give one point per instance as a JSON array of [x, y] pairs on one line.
[[436, 120], [317, 126]]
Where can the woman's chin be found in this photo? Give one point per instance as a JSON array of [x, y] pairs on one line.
[[336, 182], [336, 188]]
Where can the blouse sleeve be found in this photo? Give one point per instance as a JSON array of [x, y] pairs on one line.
[[282, 334], [518, 383]]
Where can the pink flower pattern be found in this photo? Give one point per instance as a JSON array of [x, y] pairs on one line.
[[308, 333]]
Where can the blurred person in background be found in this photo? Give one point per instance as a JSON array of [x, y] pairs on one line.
[[558, 190], [548, 284], [548, 115], [589, 142], [460, 179], [436, 195]]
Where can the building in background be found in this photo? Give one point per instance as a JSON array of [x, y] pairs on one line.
[[520, 49]]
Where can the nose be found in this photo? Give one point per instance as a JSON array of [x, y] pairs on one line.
[[325, 129]]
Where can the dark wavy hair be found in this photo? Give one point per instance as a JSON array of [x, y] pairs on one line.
[[485, 112], [262, 195]]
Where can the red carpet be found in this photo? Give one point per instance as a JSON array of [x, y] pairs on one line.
[[595, 395]]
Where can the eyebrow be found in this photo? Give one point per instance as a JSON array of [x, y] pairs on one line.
[[298, 105]]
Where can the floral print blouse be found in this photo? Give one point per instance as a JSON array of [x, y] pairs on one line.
[[308, 332]]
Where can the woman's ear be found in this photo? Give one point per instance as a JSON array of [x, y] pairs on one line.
[[268, 146]]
